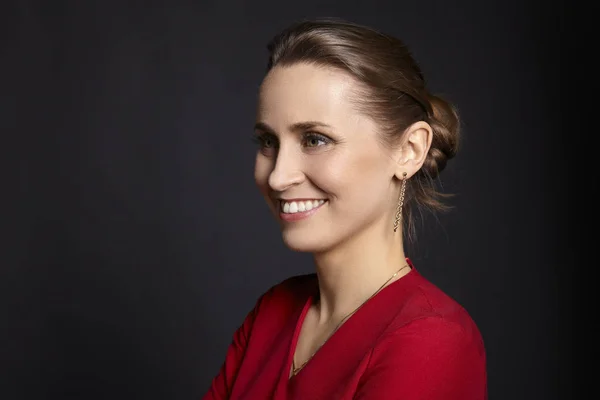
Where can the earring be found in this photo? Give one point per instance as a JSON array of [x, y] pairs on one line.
[[400, 203]]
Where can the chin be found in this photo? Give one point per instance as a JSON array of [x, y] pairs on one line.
[[303, 242]]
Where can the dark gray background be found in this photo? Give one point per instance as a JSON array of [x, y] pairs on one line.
[[134, 241]]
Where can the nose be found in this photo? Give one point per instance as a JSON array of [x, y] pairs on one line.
[[287, 172]]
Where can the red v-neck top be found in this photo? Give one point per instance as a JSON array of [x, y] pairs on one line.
[[410, 341]]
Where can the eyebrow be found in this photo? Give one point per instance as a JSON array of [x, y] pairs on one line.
[[298, 126]]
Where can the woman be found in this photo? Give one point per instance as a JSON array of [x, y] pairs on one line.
[[349, 142]]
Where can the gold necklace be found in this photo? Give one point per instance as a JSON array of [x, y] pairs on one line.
[[296, 370]]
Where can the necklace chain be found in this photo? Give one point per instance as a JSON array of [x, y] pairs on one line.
[[295, 369]]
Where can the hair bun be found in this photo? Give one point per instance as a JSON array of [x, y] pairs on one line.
[[446, 126]]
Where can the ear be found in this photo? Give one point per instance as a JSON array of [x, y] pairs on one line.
[[416, 142]]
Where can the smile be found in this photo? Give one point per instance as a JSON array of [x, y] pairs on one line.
[[299, 209]]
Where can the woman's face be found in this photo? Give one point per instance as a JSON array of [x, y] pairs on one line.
[[321, 165]]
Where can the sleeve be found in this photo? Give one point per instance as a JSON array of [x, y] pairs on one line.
[[427, 359], [222, 383]]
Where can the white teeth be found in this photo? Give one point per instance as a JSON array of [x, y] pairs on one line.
[[293, 207]]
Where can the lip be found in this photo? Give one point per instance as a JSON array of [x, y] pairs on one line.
[[298, 199], [299, 215]]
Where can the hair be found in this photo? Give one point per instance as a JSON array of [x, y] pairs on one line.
[[391, 90]]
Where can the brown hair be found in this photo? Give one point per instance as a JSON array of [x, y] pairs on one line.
[[392, 91]]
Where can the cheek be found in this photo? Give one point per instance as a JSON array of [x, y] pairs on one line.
[[357, 187], [349, 173]]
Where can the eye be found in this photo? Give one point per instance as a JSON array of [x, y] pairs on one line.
[[315, 140], [267, 143], [265, 140]]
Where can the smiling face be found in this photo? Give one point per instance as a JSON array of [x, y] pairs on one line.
[[321, 165]]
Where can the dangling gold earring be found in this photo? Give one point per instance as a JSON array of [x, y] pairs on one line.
[[400, 203]]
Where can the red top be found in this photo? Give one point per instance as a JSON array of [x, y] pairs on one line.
[[410, 341]]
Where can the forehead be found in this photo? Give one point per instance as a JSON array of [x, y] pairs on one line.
[[306, 92]]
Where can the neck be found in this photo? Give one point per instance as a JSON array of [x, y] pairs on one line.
[[351, 272]]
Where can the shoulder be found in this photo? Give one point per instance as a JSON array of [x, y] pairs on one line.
[[429, 347], [433, 319], [431, 356], [429, 333], [288, 295], [293, 288]]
